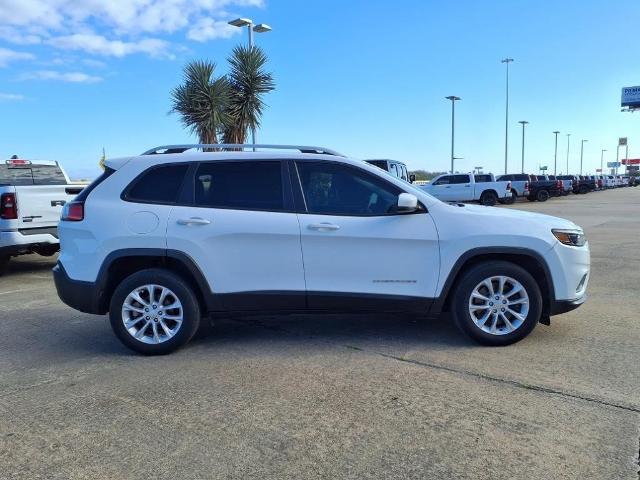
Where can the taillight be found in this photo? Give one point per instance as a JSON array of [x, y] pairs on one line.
[[509, 187], [600, 183], [559, 184], [8, 206], [73, 212], [526, 185]]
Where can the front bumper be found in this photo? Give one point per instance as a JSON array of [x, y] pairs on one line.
[[563, 306], [82, 296]]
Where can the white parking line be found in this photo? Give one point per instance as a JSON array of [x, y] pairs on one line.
[[18, 291]]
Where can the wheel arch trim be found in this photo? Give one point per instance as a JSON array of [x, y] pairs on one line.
[[475, 253]]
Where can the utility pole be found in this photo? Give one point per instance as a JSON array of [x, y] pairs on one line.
[[453, 99], [523, 123], [568, 136], [506, 61], [555, 155], [581, 153]]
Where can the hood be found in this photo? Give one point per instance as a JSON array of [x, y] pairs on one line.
[[518, 215]]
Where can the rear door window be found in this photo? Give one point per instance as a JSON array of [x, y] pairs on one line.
[[242, 185], [483, 178]]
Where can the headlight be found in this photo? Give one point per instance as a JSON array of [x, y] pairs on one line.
[[573, 238]]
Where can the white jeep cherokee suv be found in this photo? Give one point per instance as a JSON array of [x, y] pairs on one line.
[[164, 238]]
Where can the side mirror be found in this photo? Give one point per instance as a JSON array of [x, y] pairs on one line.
[[412, 177], [407, 202]]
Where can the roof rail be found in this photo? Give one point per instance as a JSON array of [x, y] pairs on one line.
[[215, 147]]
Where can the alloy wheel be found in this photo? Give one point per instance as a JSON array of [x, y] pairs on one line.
[[499, 305], [152, 314]]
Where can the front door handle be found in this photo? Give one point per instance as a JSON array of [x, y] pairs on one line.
[[323, 226], [193, 221]]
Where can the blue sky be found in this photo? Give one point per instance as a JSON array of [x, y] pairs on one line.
[[367, 78]]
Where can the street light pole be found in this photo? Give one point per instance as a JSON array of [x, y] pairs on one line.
[[602, 160], [568, 136], [453, 99], [506, 119], [555, 155], [523, 123], [251, 27], [581, 153]]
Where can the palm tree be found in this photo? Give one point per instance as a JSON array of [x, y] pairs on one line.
[[202, 101], [248, 83]]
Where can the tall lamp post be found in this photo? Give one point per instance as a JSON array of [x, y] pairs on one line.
[[251, 27], [581, 153], [453, 99], [523, 123], [507, 61], [602, 159], [568, 137], [555, 155]]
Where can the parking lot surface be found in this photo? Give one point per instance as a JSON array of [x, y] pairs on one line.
[[332, 397]]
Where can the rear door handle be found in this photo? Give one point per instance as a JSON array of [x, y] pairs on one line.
[[323, 226], [193, 221]]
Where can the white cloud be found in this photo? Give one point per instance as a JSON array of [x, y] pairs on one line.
[[7, 56], [99, 45], [10, 97], [19, 36], [125, 16], [70, 77], [208, 29], [117, 28]]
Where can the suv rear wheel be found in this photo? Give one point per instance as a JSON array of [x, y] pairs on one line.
[[497, 303], [154, 312]]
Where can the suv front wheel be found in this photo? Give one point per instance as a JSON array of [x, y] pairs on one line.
[[154, 312], [497, 303]]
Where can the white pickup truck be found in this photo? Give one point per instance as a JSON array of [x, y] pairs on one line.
[[32, 194], [465, 187]]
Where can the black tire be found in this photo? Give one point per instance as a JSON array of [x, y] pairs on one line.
[[542, 195], [4, 263], [489, 198], [512, 199], [164, 278], [531, 198], [468, 282], [583, 189]]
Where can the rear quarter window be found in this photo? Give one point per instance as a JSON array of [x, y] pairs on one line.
[[159, 184]]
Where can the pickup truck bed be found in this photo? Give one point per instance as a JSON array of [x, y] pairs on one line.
[[32, 195]]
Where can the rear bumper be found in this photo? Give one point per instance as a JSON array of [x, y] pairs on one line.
[[82, 296], [16, 242]]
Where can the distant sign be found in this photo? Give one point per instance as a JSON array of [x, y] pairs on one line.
[[622, 141], [631, 161], [630, 97], [598, 170], [613, 164], [543, 168]]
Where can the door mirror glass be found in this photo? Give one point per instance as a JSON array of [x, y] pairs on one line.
[[412, 177], [407, 202]]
